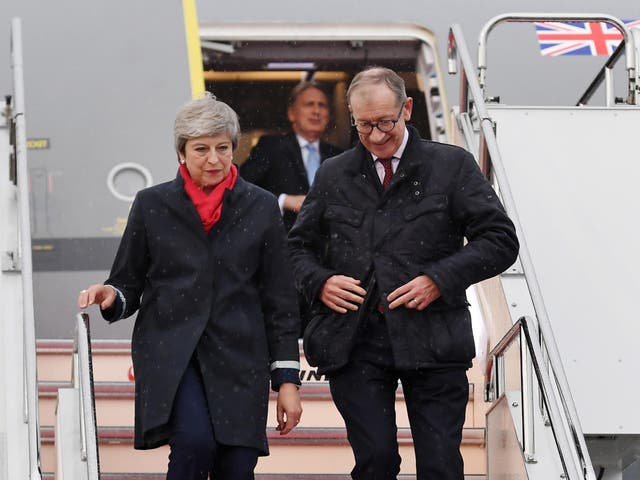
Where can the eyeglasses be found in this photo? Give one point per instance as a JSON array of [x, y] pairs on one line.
[[385, 126]]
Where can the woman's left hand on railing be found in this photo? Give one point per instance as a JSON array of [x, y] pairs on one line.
[[103, 295]]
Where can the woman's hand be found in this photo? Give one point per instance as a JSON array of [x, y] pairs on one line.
[[289, 408], [104, 295]]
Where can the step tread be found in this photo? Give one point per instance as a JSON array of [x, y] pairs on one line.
[[259, 476], [309, 391], [301, 435]]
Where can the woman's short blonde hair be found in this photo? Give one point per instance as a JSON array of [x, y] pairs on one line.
[[205, 116]]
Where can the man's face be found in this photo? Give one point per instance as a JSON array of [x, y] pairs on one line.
[[309, 115], [372, 103]]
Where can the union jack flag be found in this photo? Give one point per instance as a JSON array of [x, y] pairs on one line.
[[579, 38]]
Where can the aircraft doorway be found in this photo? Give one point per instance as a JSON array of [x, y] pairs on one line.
[[254, 68]]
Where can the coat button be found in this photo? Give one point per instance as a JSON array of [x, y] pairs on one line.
[[417, 193], [416, 183]]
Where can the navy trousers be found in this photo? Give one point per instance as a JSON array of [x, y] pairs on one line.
[[195, 453], [364, 393]]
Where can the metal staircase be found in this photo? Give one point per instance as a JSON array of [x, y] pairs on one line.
[[20, 433], [562, 402], [317, 449], [19, 436]]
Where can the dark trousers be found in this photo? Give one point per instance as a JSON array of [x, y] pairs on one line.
[[364, 393], [195, 453]]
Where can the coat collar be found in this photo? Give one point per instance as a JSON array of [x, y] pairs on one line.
[[364, 174], [187, 210], [412, 157], [359, 167], [413, 161]]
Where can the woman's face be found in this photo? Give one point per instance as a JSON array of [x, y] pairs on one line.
[[208, 159]]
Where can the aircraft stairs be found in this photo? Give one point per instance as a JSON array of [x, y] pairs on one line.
[[82, 426], [561, 373], [19, 435], [317, 449]]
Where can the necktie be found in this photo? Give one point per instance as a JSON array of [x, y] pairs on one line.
[[313, 161], [388, 171]]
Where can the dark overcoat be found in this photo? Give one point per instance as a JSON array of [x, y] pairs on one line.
[[349, 226], [276, 165], [226, 297]]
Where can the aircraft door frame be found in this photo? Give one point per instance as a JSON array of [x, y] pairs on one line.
[[428, 72]]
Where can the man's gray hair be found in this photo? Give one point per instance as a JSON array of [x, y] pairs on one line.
[[205, 116], [376, 76]]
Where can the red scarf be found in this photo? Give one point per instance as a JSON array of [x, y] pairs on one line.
[[209, 206]]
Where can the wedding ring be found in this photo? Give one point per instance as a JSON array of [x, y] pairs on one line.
[[83, 291], [414, 301]]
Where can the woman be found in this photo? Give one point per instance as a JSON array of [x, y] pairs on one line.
[[203, 260]]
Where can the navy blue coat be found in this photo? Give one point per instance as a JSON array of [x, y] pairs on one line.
[[349, 226], [227, 297]]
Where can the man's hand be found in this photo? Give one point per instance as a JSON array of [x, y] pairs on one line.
[[341, 293], [293, 202], [417, 294], [289, 408]]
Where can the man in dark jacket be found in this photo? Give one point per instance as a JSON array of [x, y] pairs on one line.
[[378, 248], [286, 164]]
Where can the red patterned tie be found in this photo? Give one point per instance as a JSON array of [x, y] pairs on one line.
[[388, 171]]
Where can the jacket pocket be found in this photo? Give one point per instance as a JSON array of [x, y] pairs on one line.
[[328, 339], [432, 203], [344, 214], [451, 335]]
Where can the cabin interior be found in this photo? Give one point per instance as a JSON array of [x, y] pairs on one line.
[[256, 76]]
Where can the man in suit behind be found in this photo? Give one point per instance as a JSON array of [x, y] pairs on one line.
[[285, 164]]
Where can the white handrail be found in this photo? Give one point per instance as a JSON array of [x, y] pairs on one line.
[[31, 381], [560, 17], [83, 381], [570, 438]]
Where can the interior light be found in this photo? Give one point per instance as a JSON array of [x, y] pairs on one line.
[[291, 66]]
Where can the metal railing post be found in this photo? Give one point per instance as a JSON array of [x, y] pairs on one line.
[[528, 428], [560, 17], [84, 378], [28, 324]]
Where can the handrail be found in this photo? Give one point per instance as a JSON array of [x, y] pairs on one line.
[[580, 464], [560, 17], [83, 381], [531, 352], [601, 75], [24, 255]]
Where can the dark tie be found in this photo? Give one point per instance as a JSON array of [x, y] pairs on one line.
[[388, 171]]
